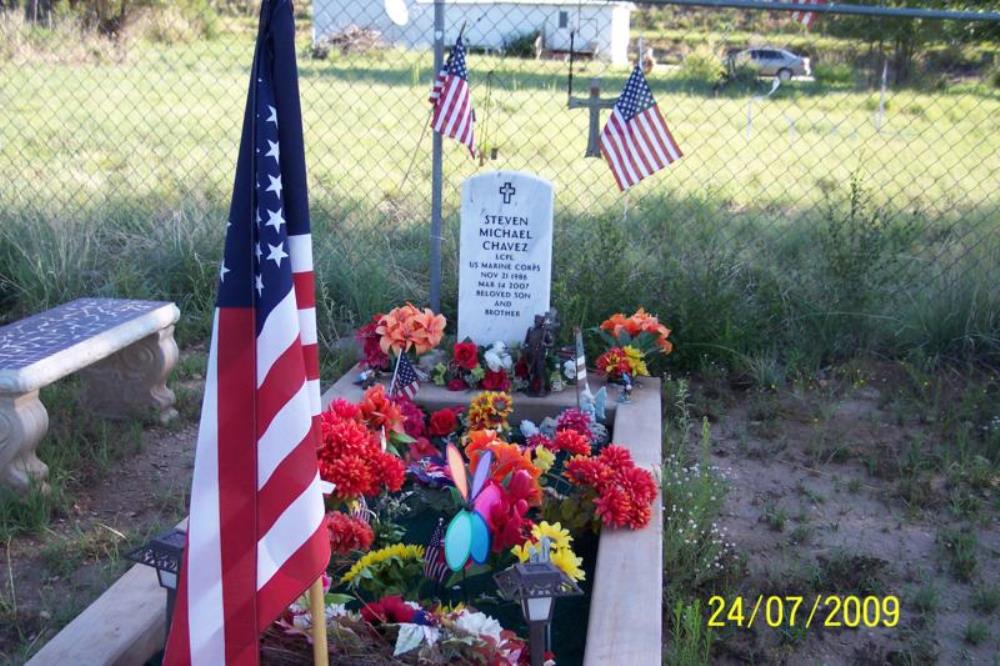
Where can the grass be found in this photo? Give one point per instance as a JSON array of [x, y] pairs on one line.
[[959, 547], [807, 239], [79, 448]]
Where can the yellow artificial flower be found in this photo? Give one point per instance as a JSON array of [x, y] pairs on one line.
[[566, 559], [558, 537], [490, 410], [543, 459], [635, 359], [400, 550], [522, 551]]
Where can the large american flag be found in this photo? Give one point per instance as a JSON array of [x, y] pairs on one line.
[[635, 141], [452, 101], [806, 18], [256, 534]]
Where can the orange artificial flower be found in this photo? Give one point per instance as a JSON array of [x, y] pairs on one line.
[[392, 331], [378, 411], [638, 323], [507, 459], [426, 329], [407, 327]]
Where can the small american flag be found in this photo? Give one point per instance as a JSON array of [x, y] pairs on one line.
[[635, 141], [406, 379], [435, 565], [806, 18], [452, 101]]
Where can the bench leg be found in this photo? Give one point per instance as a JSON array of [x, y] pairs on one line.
[[132, 383], [23, 422]]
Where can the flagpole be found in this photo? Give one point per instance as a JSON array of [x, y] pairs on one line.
[[437, 172], [392, 382], [317, 609]]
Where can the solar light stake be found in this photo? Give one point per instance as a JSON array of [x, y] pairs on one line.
[[163, 553], [536, 586]]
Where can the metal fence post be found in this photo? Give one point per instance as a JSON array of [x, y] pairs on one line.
[[436, 170]]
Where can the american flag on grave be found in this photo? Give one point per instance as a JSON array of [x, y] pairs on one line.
[[256, 538], [435, 564], [635, 141], [452, 100], [806, 18], [405, 379]]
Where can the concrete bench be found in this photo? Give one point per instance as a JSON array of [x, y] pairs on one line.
[[124, 350]]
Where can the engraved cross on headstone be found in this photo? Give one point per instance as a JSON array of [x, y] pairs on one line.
[[595, 104], [507, 191]]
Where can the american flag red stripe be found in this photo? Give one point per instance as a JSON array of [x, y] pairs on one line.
[[636, 142], [452, 100], [804, 17], [256, 533]]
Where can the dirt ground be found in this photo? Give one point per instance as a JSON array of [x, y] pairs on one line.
[[814, 507]]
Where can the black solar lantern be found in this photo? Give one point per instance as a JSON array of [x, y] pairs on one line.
[[163, 553], [536, 586]]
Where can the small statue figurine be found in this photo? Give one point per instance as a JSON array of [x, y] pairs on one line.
[[367, 378], [626, 394], [538, 341]]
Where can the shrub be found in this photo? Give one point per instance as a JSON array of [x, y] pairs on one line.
[[836, 73], [703, 65], [521, 45], [993, 74]]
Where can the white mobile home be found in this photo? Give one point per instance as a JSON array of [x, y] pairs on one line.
[[602, 27]]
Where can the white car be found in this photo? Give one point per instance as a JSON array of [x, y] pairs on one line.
[[774, 62]]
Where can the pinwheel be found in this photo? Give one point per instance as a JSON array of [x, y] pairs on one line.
[[468, 535]]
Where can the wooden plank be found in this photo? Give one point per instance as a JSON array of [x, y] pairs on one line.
[[626, 608], [125, 626]]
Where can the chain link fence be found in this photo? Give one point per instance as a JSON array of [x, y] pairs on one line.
[[855, 203]]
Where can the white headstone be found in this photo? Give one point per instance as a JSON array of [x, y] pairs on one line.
[[505, 258]]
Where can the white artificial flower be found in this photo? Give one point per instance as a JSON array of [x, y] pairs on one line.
[[479, 624], [493, 361], [569, 368], [528, 428]]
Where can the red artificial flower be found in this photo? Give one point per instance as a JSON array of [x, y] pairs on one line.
[[350, 475], [574, 419], [443, 422], [389, 609], [390, 471], [624, 491], [495, 381], [341, 437], [572, 442], [413, 416], [538, 439], [456, 384], [614, 363], [343, 409], [466, 355], [372, 354], [420, 449], [521, 368], [508, 523], [616, 457], [350, 456], [348, 534], [585, 471]]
